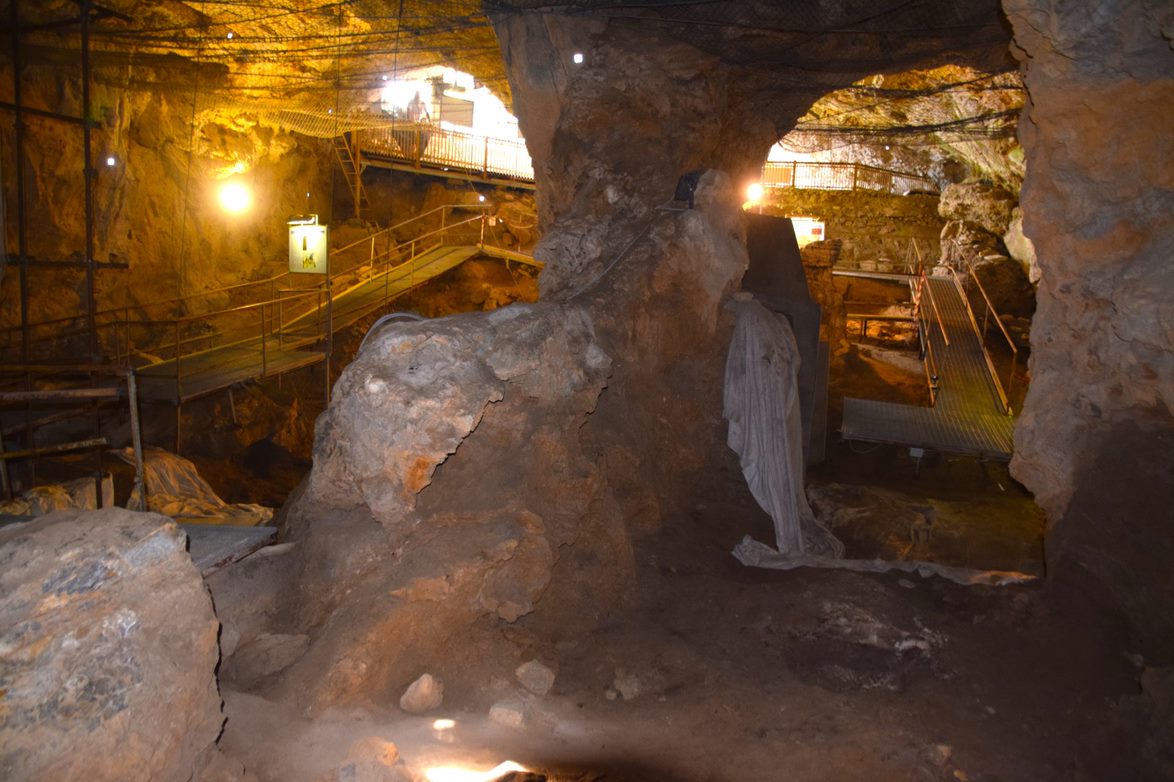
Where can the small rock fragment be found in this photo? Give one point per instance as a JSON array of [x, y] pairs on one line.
[[371, 759], [510, 713], [535, 677], [610, 694], [628, 685], [424, 694]]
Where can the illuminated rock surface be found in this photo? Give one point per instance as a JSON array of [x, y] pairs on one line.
[[108, 653]]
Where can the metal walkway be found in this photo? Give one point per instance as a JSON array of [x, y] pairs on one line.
[[284, 349], [968, 415]]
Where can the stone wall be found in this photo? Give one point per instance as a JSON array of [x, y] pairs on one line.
[[870, 226], [1098, 203]]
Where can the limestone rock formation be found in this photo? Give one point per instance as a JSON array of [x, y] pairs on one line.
[[108, 650], [1020, 247], [988, 206], [1098, 204]]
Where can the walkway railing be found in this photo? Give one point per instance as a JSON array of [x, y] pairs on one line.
[[432, 147], [842, 176], [989, 313], [283, 312]]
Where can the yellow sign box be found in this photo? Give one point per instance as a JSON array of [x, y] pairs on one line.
[[307, 249]]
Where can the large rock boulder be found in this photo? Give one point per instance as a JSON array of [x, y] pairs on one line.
[[986, 205], [107, 650], [1020, 247]]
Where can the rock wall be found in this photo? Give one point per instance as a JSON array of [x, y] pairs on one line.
[[1098, 203], [108, 650], [156, 208], [869, 226]]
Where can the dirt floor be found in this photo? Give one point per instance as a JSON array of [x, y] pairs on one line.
[[719, 672]]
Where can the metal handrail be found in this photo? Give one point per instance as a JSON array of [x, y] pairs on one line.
[[918, 286], [838, 176], [433, 147], [281, 310], [934, 303], [991, 311], [1004, 397]]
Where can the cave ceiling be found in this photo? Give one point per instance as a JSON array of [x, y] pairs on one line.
[[328, 59], [293, 54]]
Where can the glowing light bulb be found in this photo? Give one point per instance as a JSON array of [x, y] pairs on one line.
[[481, 198], [235, 198], [754, 192], [111, 161], [577, 58], [230, 36]]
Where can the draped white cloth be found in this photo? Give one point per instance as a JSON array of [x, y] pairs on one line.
[[762, 406]]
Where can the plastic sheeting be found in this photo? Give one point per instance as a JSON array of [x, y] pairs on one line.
[[766, 431], [175, 489], [754, 554], [79, 494]]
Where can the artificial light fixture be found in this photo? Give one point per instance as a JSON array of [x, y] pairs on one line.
[[234, 197], [577, 58], [111, 161], [481, 198], [230, 34], [754, 192]]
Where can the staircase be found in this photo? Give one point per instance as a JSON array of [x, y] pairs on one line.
[[352, 172]]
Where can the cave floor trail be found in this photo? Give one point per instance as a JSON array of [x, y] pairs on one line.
[[968, 416], [292, 345]]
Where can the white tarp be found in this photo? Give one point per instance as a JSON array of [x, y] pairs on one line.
[[762, 406], [754, 554]]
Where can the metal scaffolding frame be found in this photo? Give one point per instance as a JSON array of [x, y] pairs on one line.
[[88, 13]]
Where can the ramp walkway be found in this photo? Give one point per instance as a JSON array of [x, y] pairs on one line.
[[970, 412], [289, 327]]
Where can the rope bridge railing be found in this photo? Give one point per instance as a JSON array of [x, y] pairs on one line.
[[843, 176]]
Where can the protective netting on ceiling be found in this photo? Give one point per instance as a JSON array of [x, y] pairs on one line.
[[301, 58], [327, 125]]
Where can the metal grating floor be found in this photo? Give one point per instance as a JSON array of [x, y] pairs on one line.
[[968, 416]]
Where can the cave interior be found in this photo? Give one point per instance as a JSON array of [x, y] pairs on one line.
[[474, 390]]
